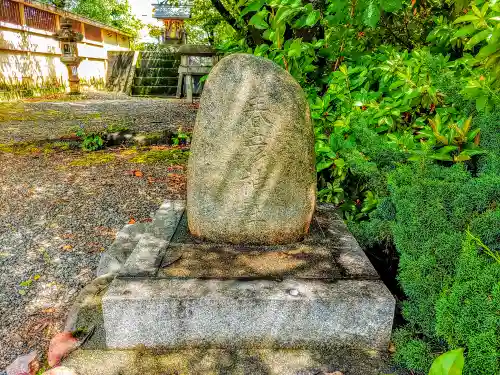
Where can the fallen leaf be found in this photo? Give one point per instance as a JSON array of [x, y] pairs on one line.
[[50, 310], [334, 373], [60, 346], [67, 236], [67, 247], [147, 220], [132, 221], [392, 348], [37, 277], [24, 365], [135, 173], [40, 325]]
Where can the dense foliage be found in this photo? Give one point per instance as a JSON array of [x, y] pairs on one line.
[[116, 13], [406, 107]]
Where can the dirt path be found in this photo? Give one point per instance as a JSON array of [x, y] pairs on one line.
[[35, 121], [60, 210]]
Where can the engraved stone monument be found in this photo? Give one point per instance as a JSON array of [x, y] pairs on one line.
[[251, 269], [251, 174]]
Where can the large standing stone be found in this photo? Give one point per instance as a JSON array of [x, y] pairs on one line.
[[251, 175]]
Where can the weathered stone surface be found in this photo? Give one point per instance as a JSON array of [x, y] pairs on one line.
[[328, 252], [120, 70], [126, 240], [321, 290], [251, 175], [251, 313], [196, 50], [86, 313], [196, 361], [149, 251]]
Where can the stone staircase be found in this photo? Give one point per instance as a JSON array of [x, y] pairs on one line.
[[156, 74]]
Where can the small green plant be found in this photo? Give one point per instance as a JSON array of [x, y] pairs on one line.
[[26, 284], [455, 142], [450, 363], [92, 142], [181, 138]]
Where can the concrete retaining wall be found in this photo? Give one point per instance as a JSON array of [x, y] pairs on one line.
[[121, 69]]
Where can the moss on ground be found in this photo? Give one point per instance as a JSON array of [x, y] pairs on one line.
[[129, 152], [29, 148], [93, 158], [170, 156]]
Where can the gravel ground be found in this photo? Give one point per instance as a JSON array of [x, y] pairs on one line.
[[55, 220], [50, 120]]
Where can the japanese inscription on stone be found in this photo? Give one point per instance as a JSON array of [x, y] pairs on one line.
[[251, 175]]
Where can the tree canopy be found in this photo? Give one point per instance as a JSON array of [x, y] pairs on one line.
[[116, 13]]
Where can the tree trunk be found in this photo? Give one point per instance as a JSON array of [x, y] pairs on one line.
[[226, 15]]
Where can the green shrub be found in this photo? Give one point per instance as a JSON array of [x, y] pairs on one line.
[[92, 142], [413, 353], [449, 284], [467, 313]]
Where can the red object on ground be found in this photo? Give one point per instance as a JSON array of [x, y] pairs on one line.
[[24, 365], [60, 346]]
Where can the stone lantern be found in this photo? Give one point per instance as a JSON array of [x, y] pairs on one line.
[[69, 46]]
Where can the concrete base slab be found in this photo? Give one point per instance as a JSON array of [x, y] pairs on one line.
[[253, 313], [206, 361], [185, 292]]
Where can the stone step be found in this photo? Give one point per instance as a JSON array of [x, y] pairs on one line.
[[151, 55], [175, 291], [155, 81], [247, 313], [156, 72], [154, 90], [126, 240], [196, 361], [159, 63], [146, 257]]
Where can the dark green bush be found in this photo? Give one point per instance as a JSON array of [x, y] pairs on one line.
[[449, 283], [413, 353], [467, 312]]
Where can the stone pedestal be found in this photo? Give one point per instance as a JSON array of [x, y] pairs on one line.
[[175, 291]]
